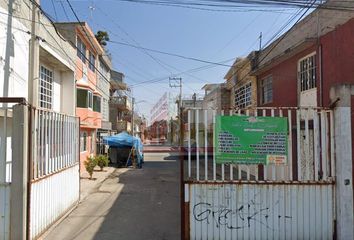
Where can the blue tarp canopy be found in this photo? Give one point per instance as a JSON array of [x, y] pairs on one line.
[[124, 139]]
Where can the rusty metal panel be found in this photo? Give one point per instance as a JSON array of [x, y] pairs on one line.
[[260, 211], [52, 197]]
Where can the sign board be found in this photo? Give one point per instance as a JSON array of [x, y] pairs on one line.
[[251, 140]]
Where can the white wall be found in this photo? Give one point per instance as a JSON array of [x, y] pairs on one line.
[[57, 91], [68, 93], [19, 50]]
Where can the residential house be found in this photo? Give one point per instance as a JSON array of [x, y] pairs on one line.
[[300, 68], [88, 106], [54, 89], [103, 87], [42, 71], [217, 97], [120, 104], [242, 86]]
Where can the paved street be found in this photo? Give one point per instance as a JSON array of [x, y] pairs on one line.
[[130, 204]]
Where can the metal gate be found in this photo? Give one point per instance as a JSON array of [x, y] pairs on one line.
[[46, 174], [231, 201], [54, 168]]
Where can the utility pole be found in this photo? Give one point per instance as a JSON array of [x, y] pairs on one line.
[[176, 82], [33, 78], [133, 100], [260, 41]]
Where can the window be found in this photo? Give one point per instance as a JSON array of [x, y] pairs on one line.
[[92, 63], [266, 90], [93, 141], [90, 100], [83, 141], [307, 73], [46, 88], [81, 50], [243, 96], [84, 98], [96, 103]]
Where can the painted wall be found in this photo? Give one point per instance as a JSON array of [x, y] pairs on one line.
[[338, 57], [337, 67], [285, 83]]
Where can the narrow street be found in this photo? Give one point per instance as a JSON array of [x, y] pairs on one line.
[[130, 204]]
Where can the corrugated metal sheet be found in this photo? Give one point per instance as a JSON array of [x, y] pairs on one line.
[[260, 211], [52, 197], [4, 211]]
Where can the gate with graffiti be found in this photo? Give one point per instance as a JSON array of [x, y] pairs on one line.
[[234, 200]]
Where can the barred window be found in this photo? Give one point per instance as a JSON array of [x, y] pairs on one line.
[[46, 88], [307, 73], [92, 62], [83, 141], [81, 50], [96, 103], [243, 96], [266, 90]]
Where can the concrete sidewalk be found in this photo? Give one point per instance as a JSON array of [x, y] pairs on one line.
[[130, 204], [88, 186]]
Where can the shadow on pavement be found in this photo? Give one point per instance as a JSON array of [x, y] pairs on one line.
[[147, 206]]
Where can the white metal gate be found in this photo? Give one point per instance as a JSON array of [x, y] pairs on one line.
[[52, 187], [230, 201], [54, 169]]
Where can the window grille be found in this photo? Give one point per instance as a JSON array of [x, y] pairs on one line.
[[46, 88]]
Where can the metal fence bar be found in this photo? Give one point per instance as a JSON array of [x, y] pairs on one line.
[[54, 138], [189, 145], [307, 146], [283, 167], [273, 166], [256, 166], [316, 144], [222, 165], [298, 137], [197, 140], [328, 138], [265, 167], [231, 165], [238, 165], [206, 144], [324, 144], [314, 151], [214, 146], [35, 144], [333, 166], [248, 166], [50, 148], [290, 147]]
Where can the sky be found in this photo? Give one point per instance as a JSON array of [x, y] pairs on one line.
[[212, 36]]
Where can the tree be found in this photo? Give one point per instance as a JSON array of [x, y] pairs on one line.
[[102, 37]]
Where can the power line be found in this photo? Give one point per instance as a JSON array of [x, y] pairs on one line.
[[55, 10], [169, 54]]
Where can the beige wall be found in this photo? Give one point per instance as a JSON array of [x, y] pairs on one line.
[[241, 71]]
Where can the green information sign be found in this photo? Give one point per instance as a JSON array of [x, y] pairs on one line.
[[251, 140]]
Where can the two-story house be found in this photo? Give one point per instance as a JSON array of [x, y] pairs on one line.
[[37, 64], [88, 92], [242, 86]]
